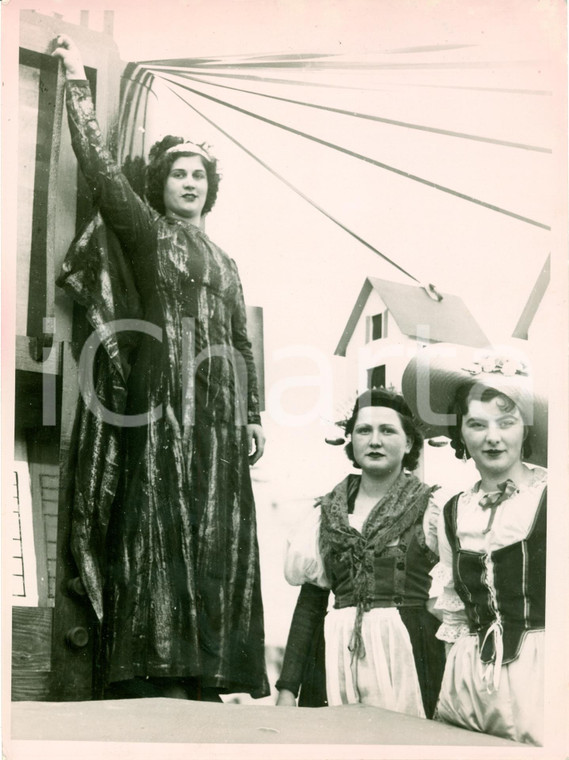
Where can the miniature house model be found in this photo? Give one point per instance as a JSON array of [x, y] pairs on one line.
[[390, 321]]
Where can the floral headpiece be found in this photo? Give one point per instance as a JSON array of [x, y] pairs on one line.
[[436, 374], [496, 364]]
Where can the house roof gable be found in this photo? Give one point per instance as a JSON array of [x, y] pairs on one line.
[[447, 321]]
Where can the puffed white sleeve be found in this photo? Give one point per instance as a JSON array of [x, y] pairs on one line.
[[448, 603], [303, 561], [430, 525]]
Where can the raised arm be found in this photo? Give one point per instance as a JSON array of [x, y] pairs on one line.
[[119, 205]]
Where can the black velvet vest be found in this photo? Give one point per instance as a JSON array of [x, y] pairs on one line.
[[517, 600], [398, 577]]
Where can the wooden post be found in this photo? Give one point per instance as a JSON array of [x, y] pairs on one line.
[[74, 625]]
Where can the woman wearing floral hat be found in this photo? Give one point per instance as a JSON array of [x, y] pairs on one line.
[[492, 537]]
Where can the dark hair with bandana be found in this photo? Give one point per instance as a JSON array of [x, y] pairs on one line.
[[383, 397]]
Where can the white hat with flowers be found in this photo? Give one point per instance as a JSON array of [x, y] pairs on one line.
[[434, 375]]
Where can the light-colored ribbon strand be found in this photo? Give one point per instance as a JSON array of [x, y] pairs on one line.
[[490, 672]]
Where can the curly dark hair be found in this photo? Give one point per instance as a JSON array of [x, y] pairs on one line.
[[134, 169], [383, 397], [459, 407], [159, 165]]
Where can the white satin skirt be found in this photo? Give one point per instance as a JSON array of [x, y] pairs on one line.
[[513, 710], [386, 676]]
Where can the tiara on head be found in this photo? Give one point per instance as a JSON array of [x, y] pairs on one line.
[[190, 147]]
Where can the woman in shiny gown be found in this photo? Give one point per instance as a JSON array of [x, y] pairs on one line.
[[179, 590]]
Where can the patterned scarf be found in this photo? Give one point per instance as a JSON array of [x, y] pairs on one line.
[[398, 510]]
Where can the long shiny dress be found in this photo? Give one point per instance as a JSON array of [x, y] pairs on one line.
[[178, 588]]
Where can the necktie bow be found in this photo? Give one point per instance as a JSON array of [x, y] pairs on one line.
[[494, 498]]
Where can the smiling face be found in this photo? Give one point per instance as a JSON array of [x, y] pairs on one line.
[[493, 432], [185, 190], [379, 441]]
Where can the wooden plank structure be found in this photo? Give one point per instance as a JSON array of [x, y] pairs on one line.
[[52, 636], [31, 656]]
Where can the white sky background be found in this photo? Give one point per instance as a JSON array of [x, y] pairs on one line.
[[303, 270], [288, 254]]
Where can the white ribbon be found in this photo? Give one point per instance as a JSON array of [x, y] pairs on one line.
[[490, 672]]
